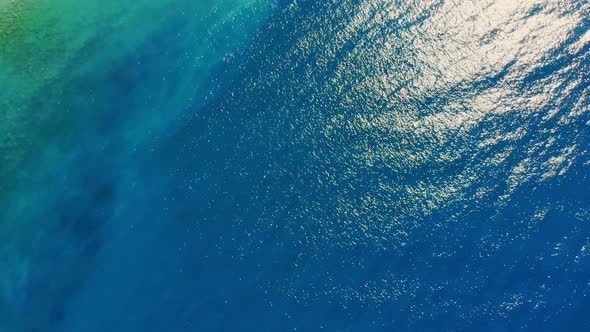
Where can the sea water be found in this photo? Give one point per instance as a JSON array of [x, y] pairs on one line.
[[281, 165]]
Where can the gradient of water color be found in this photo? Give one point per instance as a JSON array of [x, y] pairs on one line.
[[277, 165]]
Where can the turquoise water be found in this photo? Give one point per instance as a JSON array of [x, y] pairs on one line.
[[279, 165]]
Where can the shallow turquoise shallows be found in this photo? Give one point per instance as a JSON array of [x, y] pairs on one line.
[[279, 165]]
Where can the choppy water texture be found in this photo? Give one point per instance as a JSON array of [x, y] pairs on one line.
[[277, 165]]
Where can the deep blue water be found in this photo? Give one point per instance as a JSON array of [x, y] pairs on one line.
[[335, 165]]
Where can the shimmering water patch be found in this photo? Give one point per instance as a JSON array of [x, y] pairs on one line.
[[411, 158]]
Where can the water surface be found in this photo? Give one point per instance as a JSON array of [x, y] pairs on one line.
[[281, 165]]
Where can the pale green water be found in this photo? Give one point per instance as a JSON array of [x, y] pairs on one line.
[[46, 44]]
